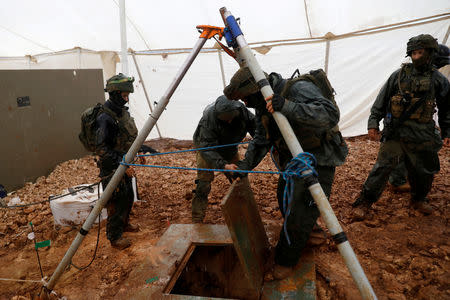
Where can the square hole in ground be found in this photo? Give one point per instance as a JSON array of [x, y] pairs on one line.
[[212, 271]]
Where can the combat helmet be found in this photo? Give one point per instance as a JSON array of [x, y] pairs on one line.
[[422, 41], [241, 84], [120, 83]]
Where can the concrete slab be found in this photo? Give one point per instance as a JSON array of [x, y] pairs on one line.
[[300, 286]]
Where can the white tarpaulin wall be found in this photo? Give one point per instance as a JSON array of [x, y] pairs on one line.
[[357, 65]]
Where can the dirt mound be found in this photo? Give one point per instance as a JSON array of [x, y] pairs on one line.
[[405, 254]]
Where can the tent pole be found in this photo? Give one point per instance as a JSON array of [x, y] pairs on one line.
[[133, 54], [444, 41], [327, 55], [219, 52], [79, 57], [123, 37], [117, 177], [247, 58]]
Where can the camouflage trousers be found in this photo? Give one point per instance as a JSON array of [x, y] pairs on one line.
[[118, 207], [203, 187], [398, 175], [302, 217], [421, 161]]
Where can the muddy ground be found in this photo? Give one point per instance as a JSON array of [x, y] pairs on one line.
[[405, 254]]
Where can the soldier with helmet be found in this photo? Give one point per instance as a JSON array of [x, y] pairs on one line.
[[313, 115], [407, 103], [115, 132], [223, 122]]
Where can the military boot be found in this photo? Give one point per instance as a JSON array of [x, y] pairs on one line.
[[422, 206], [281, 272], [404, 188], [200, 200], [361, 209], [121, 243], [317, 236], [131, 228]]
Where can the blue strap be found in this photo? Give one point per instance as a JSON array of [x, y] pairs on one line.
[[195, 149], [302, 162]]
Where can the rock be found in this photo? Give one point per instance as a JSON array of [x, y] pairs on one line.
[[29, 209], [394, 296], [419, 264], [188, 195], [391, 269], [65, 229], [428, 292], [20, 298], [267, 209]]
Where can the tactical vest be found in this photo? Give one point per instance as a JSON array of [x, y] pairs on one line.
[[308, 138], [127, 131], [126, 128], [410, 90]]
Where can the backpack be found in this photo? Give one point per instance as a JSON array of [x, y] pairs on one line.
[[89, 126], [318, 78]]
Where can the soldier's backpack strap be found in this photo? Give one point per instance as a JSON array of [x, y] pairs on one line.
[[319, 79]]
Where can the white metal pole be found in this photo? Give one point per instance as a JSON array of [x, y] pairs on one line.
[[219, 52], [246, 57], [123, 37], [143, 87], [444, 41], [327, 55]]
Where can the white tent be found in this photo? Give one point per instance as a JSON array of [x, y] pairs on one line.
[[359, 43]]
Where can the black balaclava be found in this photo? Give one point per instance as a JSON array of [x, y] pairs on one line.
[[255, 101], [423, 63], [117, 99]]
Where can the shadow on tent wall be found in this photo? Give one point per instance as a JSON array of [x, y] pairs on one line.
[[40, 120]]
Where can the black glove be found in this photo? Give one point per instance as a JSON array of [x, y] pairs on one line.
[[277, 102], [229, 176], [145, 149], [239, 175]]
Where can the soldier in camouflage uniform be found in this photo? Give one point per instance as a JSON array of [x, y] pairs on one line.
[[397, 179], [314, 120], [223, 122], [407, 103], [116, 131]]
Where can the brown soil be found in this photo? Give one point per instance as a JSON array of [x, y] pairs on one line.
[[405, 255]]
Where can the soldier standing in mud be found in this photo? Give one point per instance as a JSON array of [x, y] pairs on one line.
[[223, 122], [407, 103], [114, 135], [398, 179], [314, 119]]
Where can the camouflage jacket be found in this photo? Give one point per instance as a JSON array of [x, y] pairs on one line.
[[116, 131], [213, 132], [313, 119], [412, 130]]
